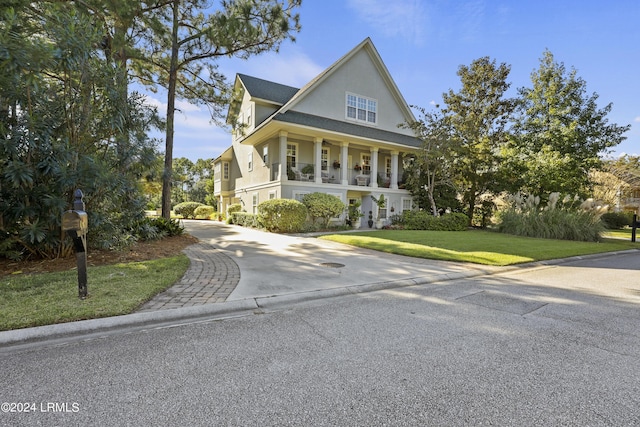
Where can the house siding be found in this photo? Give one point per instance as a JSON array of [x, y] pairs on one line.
[[359, 77]]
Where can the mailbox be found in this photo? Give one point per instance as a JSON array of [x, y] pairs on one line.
[[75, 221], [76, 224]]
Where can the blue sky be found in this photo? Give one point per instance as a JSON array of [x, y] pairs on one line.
[[423, 42]]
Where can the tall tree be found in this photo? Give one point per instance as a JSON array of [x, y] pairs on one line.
[[479, 115], [561, 132], [430, 167], [193, 36], [58, 123]]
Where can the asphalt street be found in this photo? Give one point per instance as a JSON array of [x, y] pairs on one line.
[[552, 345]]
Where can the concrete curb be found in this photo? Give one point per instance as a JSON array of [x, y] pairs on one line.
[[250, 305], [61, 330]]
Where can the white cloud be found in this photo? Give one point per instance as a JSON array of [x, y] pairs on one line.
[[289, 67], [400, 18], [637, 119]]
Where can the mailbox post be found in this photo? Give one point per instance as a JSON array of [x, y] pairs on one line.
[[76, 225]]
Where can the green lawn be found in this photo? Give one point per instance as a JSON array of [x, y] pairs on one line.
[[475, 246], [622, 234], [48, 298]]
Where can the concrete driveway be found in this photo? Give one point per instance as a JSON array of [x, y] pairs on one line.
[[275, 264]]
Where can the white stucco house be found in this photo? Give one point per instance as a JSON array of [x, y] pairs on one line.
[[338, 134]]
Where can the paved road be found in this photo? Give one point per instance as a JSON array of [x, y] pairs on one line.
[[556, 345]]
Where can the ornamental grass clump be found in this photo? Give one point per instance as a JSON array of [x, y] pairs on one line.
[[566, 219]]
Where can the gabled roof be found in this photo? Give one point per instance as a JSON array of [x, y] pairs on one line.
[[286, 97], [268, 91], [366, 45]]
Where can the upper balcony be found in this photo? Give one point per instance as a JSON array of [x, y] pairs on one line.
[[305, 172]]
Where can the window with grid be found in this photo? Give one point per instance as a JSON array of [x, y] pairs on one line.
[[292, 155], [324, 159], [225, 170], [362, 109], [365, 161], [254, 203]]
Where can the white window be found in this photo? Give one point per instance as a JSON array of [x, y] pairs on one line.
[[254, 203], [387, 167], [324, 159], [365, 162], [272, 195], [292, 155], [250, 161], [362, 109], [406, 204], [216, 172], [225, 170], [265, 154], [248, 117]]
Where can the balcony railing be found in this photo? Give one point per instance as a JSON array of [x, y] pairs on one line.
[[305, 172]]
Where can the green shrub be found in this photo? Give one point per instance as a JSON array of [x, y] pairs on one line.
[[323, 207], [423, 220], [564, 220], [283, 215], [245, 219], [153, 228], [204, 211], [236, 207], [617, 220], [187, 209]]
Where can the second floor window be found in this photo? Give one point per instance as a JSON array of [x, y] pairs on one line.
[[225, 170], [362, 109]]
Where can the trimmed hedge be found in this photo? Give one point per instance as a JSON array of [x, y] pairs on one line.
[[323, 206], [245, 219], [282, 215], [423, 220], [204, 211], [236, 207], [187, 209]]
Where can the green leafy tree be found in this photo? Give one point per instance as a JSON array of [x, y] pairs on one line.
[[479, 114], [429, 170], [59, 118], [561, 132]]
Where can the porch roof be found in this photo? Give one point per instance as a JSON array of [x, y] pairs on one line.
[[310, 120]]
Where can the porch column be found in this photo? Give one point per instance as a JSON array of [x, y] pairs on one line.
[[317, 168], [394, 170], [282, 168], [374, 168], [344, 163]]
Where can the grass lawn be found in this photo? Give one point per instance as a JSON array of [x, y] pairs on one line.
[[475, 246], [621, 234], [48, 298]]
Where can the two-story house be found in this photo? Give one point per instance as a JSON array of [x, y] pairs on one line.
[[338, 134]]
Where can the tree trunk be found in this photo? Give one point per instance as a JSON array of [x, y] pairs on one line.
[[171, 101]]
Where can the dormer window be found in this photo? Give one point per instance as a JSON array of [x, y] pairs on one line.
[[362, 109]]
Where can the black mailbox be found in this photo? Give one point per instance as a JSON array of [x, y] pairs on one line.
[[76, 224]]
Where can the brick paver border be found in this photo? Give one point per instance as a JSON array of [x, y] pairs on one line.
[[210, 278]]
